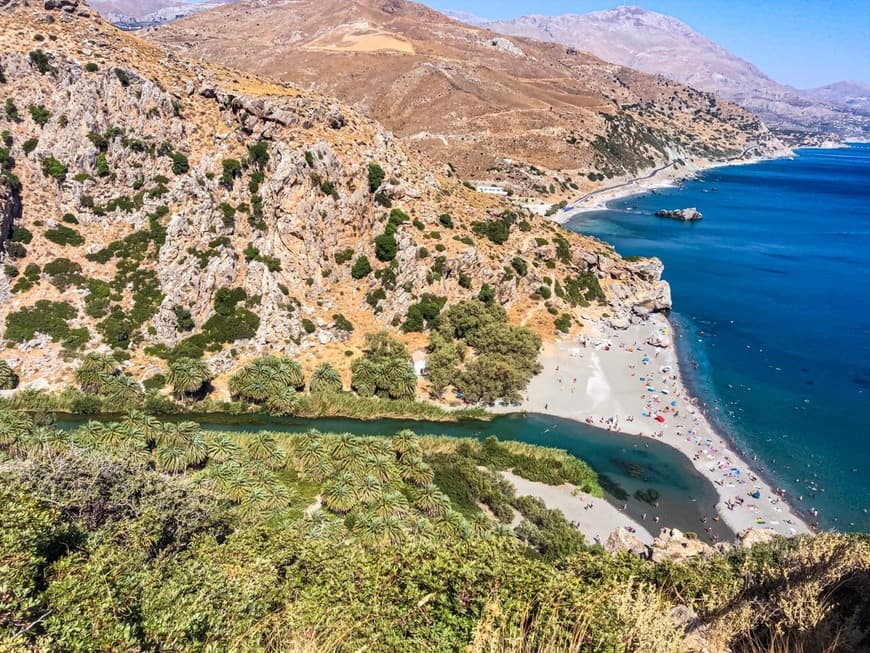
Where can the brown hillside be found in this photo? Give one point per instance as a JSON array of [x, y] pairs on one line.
[[497, 108], [132, 195]]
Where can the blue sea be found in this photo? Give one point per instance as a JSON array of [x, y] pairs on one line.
[[771, 295]]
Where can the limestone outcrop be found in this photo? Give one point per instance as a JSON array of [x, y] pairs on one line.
[[684, 215], [673, 544]]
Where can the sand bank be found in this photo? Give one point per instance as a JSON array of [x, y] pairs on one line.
[[594, 517], [614, 379]]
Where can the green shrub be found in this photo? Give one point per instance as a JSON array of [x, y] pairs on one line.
[[258, 154], [424, 314], [39, 59], [563, 323], [21, 235], [446, 220], [53, 168], [64, 273], [46, 317], [63, 235], [231, 169], [344, 256], [361, 268], [91, 67], [123, 76], [39, 114], [376, 176], [11, 110], [308, 326], [386, 247], [328, 188], [228, 215], [102, 166], [180, 164], [29, 145], [342, 323], [520, 266]]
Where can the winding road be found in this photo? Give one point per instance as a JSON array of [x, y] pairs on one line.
[[655, 171]]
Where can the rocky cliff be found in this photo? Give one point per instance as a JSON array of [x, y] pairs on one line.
[[166, 201]]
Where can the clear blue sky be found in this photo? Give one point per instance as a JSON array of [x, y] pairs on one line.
[[805, 43]]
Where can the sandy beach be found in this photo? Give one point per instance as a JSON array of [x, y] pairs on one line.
[[594, 517], [615, 379]]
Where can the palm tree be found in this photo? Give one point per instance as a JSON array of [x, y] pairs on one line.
[[381, 467], [325, 378], [406, 443], [369, 528], [451, 524], [265, 448], [481, 525], [188, 375], [421, 529], [122, 392], [222, 449], [172, 458], [415, 470], [309, 448], [94, 370], [403, 384], [284, 401], [234, 481], [289, 372], [390, 503], [344, 445], [431, 501], [394, 530], [364, 376], [338, 494], [8, 378], [277, 495], [368, 489], [13, 425], [195, 448], [147, 426]]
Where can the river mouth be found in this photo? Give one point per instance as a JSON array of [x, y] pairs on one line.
[[636, 472]]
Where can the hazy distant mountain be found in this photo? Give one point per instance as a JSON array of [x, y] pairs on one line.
[[851, 94], [656, 43], [135, 14]]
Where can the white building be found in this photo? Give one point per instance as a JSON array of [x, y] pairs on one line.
[[491, 190]]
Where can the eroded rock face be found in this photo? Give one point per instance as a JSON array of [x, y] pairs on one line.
[[620, 540], [673, 544], [146, 147], [752, 536]]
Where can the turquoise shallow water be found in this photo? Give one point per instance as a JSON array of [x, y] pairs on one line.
[[771, 295]]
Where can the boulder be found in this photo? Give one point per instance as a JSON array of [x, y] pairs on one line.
[[685, 215], [675, 545], [752, 536], [621, 540]]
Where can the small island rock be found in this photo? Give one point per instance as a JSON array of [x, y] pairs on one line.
[[686, 215]]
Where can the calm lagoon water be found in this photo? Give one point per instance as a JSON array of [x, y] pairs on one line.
[[771, 294], [629, 462]]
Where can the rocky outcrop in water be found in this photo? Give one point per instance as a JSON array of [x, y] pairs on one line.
[[685, 215]]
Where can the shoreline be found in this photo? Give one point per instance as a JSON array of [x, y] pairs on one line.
[[666, 176], [615, 379]]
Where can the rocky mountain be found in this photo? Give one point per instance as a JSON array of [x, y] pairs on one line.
[[150, 202], [660, 44], [522, 114], [136, 14], [851, 94]]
